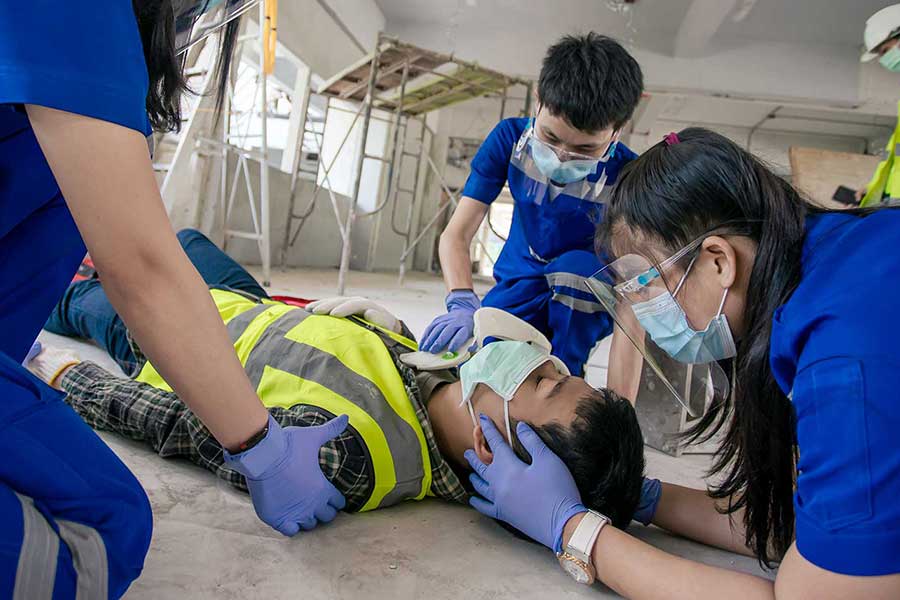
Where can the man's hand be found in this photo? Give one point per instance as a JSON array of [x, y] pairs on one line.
[[50, 363], [344, 306]]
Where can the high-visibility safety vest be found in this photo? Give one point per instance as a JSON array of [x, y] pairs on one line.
[[886, 181], [294, 357]]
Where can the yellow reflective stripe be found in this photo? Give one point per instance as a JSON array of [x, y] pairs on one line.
[[151, 376], [248, 340], [283, 389], [366, 355], [230, 305]]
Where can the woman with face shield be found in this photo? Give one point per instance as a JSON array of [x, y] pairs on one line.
[[718, 258], [81, 86]]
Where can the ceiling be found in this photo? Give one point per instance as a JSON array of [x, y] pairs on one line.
[[704, 56], [815, 21]]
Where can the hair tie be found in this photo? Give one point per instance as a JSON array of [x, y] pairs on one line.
[[671, 139]]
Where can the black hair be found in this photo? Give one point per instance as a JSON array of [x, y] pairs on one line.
[[165, 69], [704, 185], [604, 450], [591, 81]]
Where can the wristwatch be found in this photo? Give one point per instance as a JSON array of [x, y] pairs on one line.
[[575, 559]]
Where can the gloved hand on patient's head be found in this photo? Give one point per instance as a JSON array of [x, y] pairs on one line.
[[345, 306], [50, 363]]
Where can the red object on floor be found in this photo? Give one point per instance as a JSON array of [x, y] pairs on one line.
[[86, 270], [293, 300]]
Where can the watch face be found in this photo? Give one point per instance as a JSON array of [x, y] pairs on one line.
[[577, 573]]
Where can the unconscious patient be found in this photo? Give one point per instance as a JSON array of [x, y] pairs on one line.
[[408, 428]]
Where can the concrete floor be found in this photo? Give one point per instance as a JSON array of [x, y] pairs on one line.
[[208, 543]]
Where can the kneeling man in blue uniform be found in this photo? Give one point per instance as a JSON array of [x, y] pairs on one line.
[[559, 165]]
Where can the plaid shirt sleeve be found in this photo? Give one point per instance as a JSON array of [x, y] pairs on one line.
[[145, 413]]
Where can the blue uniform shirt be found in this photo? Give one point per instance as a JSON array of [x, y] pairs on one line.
[[836, 345], [548, 227], [80, 57]]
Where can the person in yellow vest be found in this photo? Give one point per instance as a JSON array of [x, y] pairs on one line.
[[408, 429], [882, 41]]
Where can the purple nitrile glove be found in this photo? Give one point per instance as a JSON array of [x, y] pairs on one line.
[[451, 330], [651, 492], [537, 499], [288, 489], [32, 352]]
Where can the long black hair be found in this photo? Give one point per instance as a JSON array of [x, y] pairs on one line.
[[156, 24], [706, 184]]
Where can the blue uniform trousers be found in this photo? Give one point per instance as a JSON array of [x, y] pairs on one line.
[[73, 519], [554, 298]]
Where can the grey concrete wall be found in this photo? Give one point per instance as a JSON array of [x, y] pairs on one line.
[[319, 242]]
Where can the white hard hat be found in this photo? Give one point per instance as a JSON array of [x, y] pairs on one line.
[[879, 28]]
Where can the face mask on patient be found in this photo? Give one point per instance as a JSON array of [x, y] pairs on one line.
[[503, 366]]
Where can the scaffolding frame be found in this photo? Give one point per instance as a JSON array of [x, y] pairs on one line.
[[381, 80], [259, 205]]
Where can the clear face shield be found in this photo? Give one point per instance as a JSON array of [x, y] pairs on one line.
[[641, 298], [551, 170], [197, 19]]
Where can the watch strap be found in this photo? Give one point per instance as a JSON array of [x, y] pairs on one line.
[[582, 541]]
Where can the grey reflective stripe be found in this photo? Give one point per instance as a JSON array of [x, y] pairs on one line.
[[238, 325], [585, 306], [36, 572], [571, 280], [896, 149], [88, 558], [276, 351]]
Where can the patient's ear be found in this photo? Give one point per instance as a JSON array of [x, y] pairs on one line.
[[481, 446]]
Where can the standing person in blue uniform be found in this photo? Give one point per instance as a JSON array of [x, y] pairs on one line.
[[737, 265], [80, 85], [560, 165]]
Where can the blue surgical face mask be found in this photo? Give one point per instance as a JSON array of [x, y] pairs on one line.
[[548, 163], [666, 323], [890, 60], [502, 366]]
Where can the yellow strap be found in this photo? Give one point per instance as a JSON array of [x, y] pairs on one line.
[[283, 389], [368, 357], [394, 336]]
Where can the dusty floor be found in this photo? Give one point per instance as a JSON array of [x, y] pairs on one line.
[[209, 544]]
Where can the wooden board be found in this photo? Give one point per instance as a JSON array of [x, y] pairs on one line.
[[818, 173]]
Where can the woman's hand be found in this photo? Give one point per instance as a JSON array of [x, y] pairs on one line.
[[106, 177], [537, 499]]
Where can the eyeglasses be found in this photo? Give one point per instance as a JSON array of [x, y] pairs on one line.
[[566, 155], [640, 281]]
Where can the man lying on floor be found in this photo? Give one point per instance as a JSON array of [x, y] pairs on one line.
[[408, 429]]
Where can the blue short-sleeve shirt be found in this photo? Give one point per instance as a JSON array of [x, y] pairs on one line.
[[836, 345], [80, 57]]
